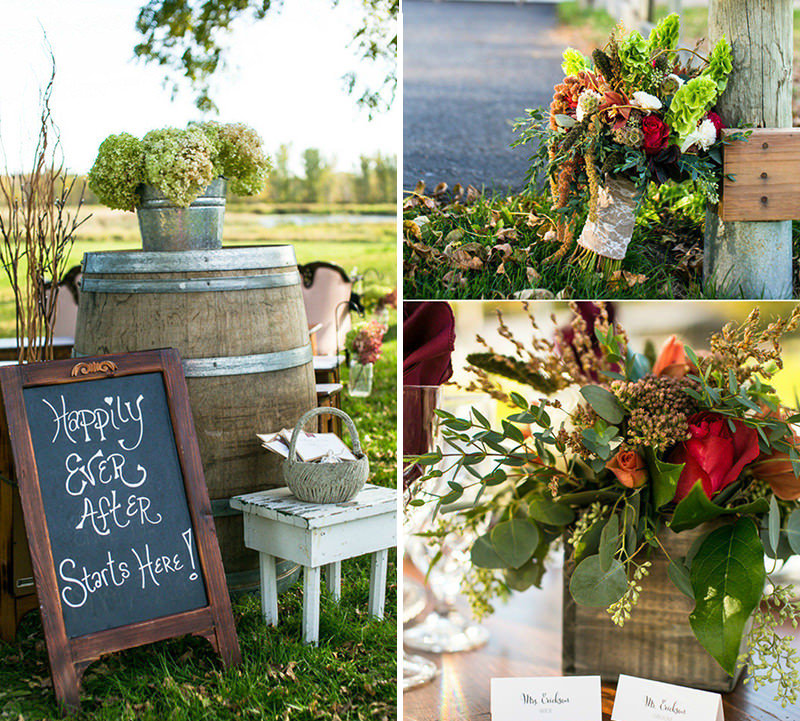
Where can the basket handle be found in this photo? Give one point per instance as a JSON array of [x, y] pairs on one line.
[[351, 428]]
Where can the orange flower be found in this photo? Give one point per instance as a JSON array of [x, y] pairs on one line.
[[672, 360], [629, 468], [776, 470]]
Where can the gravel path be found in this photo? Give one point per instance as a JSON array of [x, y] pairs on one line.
[[469, 70]]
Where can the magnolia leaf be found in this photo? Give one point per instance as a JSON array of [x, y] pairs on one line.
[[515, 541], [593, 587], [727, 579], [604, 403], [680, 577], [696, 508], [663, 479]]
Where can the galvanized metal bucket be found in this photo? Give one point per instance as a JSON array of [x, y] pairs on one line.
[[168, 227]]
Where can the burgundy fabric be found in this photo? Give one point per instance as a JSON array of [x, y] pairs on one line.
[[428, 341]]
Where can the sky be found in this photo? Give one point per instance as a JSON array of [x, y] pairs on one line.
[[284, 78]]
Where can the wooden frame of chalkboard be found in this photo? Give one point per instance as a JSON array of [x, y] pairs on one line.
[[71, 654]]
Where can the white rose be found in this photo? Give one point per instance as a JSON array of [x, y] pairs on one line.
[[704, 136], [707, 134], [645, 101]]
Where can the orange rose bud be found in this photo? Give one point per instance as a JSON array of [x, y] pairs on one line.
[[629, 468], [672, 360], [776, 470]]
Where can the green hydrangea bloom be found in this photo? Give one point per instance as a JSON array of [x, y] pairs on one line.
[[118, 171], [665, 35], [242, 160], [690, 104], [574, 62], [720, 64], [178, 163]]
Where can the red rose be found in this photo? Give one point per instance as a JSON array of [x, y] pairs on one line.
[[656, 134], [717, 121], [714, 454]]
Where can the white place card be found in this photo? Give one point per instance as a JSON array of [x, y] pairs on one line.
[[641, 700], [569, 698]]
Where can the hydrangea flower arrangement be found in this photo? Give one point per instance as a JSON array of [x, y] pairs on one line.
[[632, 114], [657, 445], [365, 341], [179, 163]]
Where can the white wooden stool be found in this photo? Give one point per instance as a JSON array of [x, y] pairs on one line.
[[278, 525]]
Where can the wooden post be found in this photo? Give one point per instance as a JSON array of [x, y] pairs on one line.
[[753, 259]]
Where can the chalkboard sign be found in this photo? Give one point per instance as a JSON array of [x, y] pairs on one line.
[[115, 504]]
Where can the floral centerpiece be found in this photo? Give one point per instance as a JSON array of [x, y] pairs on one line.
[[170, 169], [365, 343], [657, 449], [635, 112]]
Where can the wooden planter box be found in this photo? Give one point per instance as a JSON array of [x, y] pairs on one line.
[[656, 643]]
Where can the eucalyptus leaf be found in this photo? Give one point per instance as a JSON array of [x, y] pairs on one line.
[[604, 403], [593, 587], [512, 432], [529, 574], [636, 366], [565, 121], [727, 577], [515, 541], [483, 555], [589, 543], [774, 524], [793, 530], [547, 511], [609, 543]]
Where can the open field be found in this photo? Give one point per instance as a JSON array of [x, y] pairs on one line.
[[353, 245]]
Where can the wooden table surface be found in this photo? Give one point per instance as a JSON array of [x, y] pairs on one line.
[[525, 640]]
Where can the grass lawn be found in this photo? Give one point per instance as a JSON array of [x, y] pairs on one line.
[[351, 245], [494, 246], [350, 676]]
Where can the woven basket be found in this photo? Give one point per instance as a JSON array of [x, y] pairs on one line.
[[326, 482]]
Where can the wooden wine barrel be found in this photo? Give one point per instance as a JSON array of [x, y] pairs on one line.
[[238, 320]]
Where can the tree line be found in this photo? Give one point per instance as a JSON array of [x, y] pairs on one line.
[[318, 180]]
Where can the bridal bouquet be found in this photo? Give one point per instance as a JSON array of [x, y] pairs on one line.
[[635, 112], [650, 446]]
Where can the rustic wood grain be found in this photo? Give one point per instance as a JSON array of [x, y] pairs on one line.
[[228, 410], [525, 640], [752, 258], [69, 658], [656, 643], [766, 173]]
